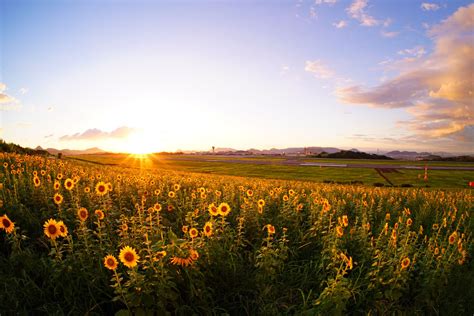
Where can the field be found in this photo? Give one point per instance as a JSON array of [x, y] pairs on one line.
[[160, 236], [282, 168]]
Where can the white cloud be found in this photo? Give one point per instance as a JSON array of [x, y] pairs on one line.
[[426, 6], [23, 91], [318, 69], [325, 1], [357, 10], [389, 34], [312, 13], [416, 51], [341, 24]]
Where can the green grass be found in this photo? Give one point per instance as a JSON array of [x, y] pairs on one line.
[[436, 178]]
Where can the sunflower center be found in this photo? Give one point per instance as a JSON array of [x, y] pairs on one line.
[[101, 189], [52, 229], [6, 223], [110, 262], [129, 257], [83, 214]]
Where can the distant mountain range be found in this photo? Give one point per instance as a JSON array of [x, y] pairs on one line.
[[54, 151], [329, 152], [288, 151]]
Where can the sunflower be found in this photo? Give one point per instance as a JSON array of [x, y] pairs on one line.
[[170, 208], [261, 203], [171, 194], [58, 198], [100, 215], [193, 255], [124, 227], [208, 229], [36, 181], [157, 207], [249, 193], [159, 255], [59, 176], [87, 189], [43, 172], [129, 256], [453, 237], [193, 232], [6, 224], [110, 262], [339, 231], [157, 192], [409, 222], [345, 220], [184, 229], [51, 229], [176, 187], [387, 216], [270, 229], [291, 192], [82, 213], [57, 185], [69, 184], [405, 263], [62, 229], [109, 187], [223, 209], [213, 209], [101, 188], [218, 193], [285, 198]]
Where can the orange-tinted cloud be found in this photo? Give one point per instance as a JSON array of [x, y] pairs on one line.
[[96, 134], [7, 102], [436, 89]]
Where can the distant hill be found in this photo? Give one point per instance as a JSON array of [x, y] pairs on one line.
[[413, 155], [14, 148], [94, 150], [349, 154]]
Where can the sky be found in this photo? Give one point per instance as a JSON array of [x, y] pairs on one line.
[[148, 76]]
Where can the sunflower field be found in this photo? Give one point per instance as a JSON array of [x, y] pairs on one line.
[[77, 238]]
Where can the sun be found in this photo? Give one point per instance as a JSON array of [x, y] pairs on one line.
[[139, 144]]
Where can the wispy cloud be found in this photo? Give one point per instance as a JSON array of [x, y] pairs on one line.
[[357, 10], [7, 102], [341, 24], [96, 134], [318, 69], [436, 89], [325, 1], [417, 51], [426, 6], [389, 34]]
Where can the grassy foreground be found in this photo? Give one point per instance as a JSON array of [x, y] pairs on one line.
[[81, 238]]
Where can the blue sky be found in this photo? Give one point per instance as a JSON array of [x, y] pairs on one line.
[[166, 75]]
